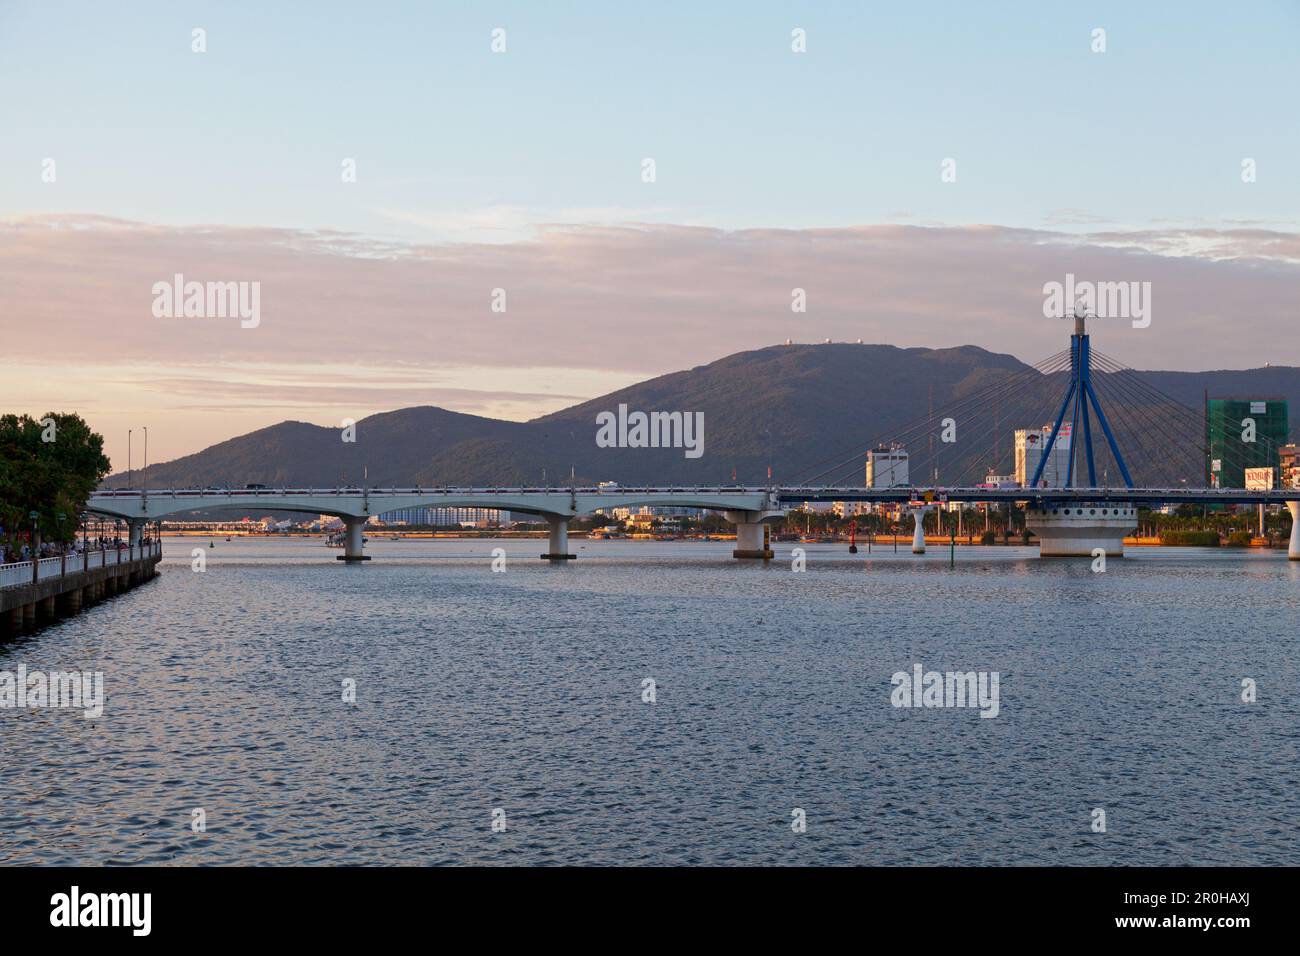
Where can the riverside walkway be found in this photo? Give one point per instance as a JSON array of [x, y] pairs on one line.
[[35, 592]]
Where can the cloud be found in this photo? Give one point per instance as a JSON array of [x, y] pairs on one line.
[[633, 298], [512, 223]]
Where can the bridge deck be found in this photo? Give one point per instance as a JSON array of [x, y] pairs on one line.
[[152, 504]]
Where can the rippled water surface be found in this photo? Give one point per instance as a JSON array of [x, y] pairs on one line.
[[523, 690]]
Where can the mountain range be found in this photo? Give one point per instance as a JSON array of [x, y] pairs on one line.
[[808, 411]]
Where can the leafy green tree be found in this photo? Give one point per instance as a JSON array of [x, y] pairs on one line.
[[49, 465]]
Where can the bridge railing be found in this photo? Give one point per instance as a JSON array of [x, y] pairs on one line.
[[12, 575], [19, 573], [419, 490], [633, 489], [51, 568]]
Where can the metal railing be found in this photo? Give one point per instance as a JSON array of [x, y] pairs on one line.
[[30, 572], [784, 493]]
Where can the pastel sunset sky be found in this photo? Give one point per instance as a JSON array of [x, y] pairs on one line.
[[126, 157]]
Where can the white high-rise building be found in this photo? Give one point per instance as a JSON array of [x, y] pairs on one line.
[[1030, 443], [887, 468]]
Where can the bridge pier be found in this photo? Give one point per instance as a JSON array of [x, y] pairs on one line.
[[751, 533], [70, 601], [918, 534], [1293, 546], [559, 543], [354, 540], [1081, 528], [135, 529]]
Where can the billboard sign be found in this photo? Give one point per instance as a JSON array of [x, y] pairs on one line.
[[1259, 479]]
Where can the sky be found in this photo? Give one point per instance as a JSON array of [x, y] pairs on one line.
[[920, 171]]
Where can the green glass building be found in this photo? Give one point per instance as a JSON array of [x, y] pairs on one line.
[[1228, 450]]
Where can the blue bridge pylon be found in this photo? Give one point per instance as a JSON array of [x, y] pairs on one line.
[[1077, 399]]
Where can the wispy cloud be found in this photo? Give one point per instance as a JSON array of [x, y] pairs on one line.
[[350, 319], [514, 223]]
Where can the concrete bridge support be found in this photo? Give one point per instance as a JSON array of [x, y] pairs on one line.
[[1079, 529], [70, 601], [1293, 546], [752, 533], [559, 539], [918, 533], [135, 533], [354, 540]]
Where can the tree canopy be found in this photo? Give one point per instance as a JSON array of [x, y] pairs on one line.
[[49, 465]]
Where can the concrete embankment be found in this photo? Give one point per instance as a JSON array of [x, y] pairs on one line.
[[58, 587]]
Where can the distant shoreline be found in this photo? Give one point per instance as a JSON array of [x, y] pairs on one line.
[[931, 541]]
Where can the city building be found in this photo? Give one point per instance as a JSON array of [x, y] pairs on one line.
[[654, 511], [1030, 443], [1289, 461], [887, 467], [646, 523], [448, 517], [1242, 433]]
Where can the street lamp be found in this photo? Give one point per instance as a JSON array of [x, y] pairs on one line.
[[36, 558], [128, 458]]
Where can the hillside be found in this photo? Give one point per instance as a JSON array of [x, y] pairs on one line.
[[793, 406]]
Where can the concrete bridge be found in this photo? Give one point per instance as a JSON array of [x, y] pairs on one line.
[[748, 508], [1067, 521]]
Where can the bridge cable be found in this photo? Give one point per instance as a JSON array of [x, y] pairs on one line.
[[924, 424]]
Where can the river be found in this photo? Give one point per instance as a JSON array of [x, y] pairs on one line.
[[520, 697]]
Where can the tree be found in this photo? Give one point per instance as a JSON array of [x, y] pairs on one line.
[[51, 466]]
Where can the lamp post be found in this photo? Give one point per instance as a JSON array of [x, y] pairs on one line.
[[36, 557], [128, 458]]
